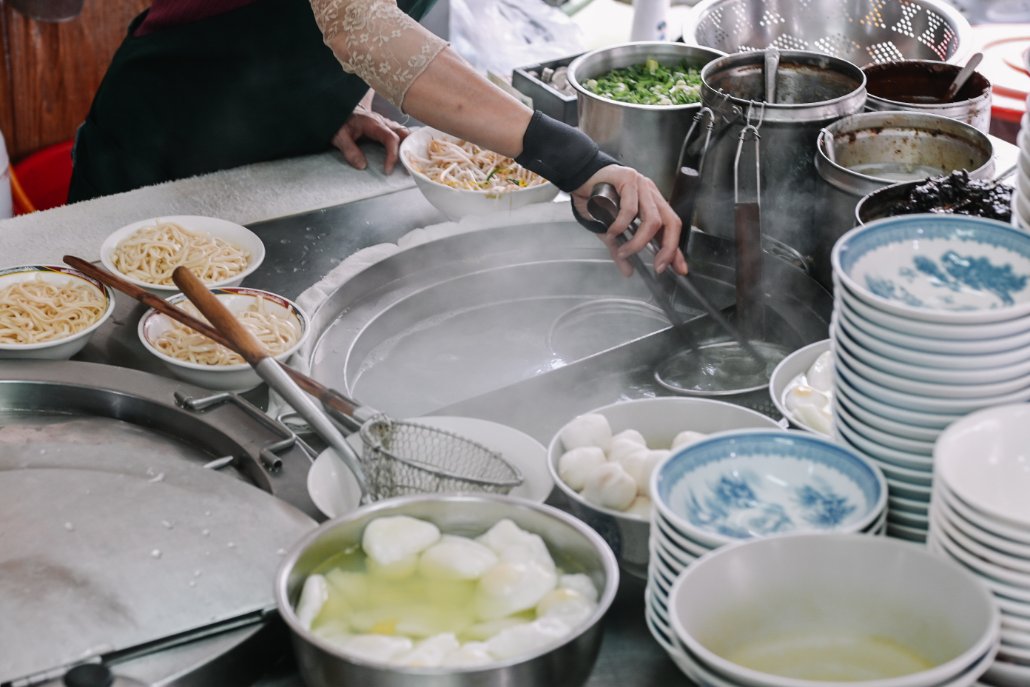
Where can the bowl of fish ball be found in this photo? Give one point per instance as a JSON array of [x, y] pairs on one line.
[[602, 462], [277, 323], [801, 386], [435, 591], [459, 178], [217, 251], [49, 311]]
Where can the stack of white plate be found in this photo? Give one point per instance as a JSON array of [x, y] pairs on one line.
[[980, 518], [1021, 194], [744, 484], [931, 322]]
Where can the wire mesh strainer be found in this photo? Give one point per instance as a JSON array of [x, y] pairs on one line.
[[862, 31], [401, 458]]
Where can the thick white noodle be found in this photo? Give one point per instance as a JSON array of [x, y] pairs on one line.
[[151, 254], [35, 311], [275, 333]]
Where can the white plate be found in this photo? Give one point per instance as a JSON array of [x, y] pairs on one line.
[[984, 459], [938, 268], [335, 492], [230, 232]]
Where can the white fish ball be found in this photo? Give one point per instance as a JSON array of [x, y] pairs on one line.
[[576, 465], [456, 558], [630, 436], [610, 486], [512, 543], [686, 438], [430, 652], [313, 596], [641, 506], [820, 419], [820, 374], [391, 539], [804, 396], [511, 587], [468, 655], [379, 648], [488, 628], [525, 639], [622, 449], [567, 605], [591, 429], [579, 582], [394, 570], [654, 458]]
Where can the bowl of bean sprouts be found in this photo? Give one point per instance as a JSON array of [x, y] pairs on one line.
[[276, 322], [49, 311], [459, 178], [217, 251]]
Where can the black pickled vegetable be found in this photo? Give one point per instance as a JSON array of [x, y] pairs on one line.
[[957, 194]]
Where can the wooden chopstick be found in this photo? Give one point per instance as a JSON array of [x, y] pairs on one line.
[[333, 400]]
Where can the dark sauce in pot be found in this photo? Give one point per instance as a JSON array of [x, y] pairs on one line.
[[957, 194], [921, 83]]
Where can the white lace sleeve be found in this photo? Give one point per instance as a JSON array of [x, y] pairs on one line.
[[378, 42]]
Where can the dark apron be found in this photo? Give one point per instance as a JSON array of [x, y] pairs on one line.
[[247, 86]]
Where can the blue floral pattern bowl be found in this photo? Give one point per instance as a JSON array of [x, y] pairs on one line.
[[938, 268], [745, 484]]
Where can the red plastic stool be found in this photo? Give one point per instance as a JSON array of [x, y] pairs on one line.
[[44, 177]]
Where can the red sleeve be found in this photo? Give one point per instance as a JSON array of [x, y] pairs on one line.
[[167, 13]]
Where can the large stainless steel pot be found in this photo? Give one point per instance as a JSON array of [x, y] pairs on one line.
[[813, 90], [904, 85], [645, 137], [873, 150], [576, 547]]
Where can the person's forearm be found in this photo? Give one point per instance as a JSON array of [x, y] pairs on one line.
[[451, 96]]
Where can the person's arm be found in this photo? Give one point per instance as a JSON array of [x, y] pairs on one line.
[[417, 72]]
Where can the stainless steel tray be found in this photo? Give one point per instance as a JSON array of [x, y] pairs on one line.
[[116, 542]]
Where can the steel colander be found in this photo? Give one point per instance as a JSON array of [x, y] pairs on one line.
[[401, 458], [860, 31]]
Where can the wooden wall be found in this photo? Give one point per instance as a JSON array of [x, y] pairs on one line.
[[50, 71]]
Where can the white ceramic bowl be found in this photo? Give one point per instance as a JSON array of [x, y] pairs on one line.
[[1019, 536], [788, 370], [991, 362], [942, 534], [938, 268], [930, 344], [335, 492], [796, 592], [994, 541], [919, 448], [755, 483], [982, 550], [457, 203], [230, 232], [659, 420], [918, 328], [921, 419], [1022, 206], [984, 459], [239, 377], [888, 425], [934, 389], [64, 347]]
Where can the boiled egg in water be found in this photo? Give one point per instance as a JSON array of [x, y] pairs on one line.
[[411, 595], [613, 470], [808, 396]]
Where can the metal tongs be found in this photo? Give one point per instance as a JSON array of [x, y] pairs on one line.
[[748, 228], [603, 206], [688, 175]]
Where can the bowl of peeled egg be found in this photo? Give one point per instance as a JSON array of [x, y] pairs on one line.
[[455, 591], [801, 386], [602, 462]]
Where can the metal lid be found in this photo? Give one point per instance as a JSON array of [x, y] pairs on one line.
[[108, 551]]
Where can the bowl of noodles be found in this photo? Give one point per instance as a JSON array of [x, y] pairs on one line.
[[277, 323], [49, 311], [460, 178], [218, 252]]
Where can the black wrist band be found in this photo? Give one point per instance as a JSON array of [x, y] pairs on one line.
[[560, 153]]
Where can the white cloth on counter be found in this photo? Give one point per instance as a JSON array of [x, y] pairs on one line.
[[244, 195]]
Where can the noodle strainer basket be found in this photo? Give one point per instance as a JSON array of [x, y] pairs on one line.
[[861, 32]]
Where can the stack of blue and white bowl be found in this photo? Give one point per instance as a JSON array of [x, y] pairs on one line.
[[746, 484], [931, 322]]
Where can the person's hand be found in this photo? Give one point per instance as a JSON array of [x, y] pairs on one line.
[[638, 197], [364, 123]]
